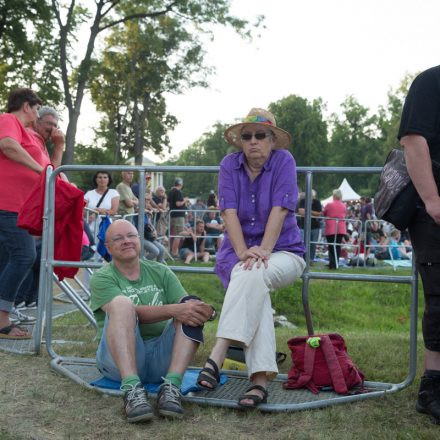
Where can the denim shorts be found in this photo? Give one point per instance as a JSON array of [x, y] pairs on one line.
[[183, 252], [153, 356]]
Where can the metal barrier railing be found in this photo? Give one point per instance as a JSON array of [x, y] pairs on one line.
[[48, 263]]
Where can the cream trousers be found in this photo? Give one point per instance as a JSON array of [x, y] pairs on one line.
[[247, 309]]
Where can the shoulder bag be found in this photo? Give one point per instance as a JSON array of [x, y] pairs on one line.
[[396, 199]]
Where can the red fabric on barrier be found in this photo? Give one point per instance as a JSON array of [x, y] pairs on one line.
[[69, 223]]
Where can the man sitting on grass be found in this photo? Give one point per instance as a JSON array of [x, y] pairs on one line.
[[194, 244], [144, 319]]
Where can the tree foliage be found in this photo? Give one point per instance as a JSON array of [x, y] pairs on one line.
[[209, 150], [28, 53], [140, 63], [109, 14], [304, 120], [352, 138]]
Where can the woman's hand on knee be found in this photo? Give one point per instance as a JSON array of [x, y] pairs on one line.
[[255, 254]]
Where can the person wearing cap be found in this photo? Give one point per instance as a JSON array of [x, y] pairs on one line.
[[149, 328], [178, 203], [262, 248]]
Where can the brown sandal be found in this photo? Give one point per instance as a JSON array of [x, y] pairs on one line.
[[5, 332]]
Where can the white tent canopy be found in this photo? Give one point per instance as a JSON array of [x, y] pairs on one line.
[[348, 193]]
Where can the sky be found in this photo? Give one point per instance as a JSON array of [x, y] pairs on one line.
[[313, 48]]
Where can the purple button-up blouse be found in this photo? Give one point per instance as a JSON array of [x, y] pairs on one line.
[[275, 186]]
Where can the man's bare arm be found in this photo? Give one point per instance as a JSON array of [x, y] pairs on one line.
[[419, 165], [193, 313]]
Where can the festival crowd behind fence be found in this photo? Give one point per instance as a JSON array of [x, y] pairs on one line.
[[366, 241]]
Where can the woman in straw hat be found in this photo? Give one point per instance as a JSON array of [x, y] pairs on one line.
[[262, 248]]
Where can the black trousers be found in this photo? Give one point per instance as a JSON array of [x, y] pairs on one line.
[[425, 239], [334, 251]]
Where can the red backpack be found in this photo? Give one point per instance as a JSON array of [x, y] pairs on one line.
[[326, 365]]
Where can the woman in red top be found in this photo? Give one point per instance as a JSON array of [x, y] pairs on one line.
[[335, 230], [21, 161]]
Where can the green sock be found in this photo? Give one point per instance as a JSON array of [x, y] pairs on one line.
[[130, 381], [175, 379]]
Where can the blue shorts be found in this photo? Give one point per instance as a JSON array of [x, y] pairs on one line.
[[153, 356], [183, 252]]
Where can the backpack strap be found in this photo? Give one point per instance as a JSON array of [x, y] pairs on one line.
[[334, 368], [305, 379]]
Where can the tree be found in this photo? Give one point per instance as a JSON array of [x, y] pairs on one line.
[[28, 53], [304, 120], [140, 63], [389, 115], [356, 142], [87, 155], [107, 15], [209, 150]]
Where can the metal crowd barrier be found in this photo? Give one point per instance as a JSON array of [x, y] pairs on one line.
[[73, 366]]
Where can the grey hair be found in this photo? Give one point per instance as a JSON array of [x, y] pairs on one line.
[[337, 194], [45, 110]]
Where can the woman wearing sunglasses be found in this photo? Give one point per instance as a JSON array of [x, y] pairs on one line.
[[262, 249]]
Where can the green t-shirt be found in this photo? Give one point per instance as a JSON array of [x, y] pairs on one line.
[[157, 285], [125, 193]]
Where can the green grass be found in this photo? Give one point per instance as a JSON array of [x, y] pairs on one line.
[[373, 318]]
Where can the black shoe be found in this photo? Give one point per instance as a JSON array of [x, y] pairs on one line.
[[428, 401], [168, 400], [136, 406]]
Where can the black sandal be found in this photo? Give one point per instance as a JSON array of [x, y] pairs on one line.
[[254, 397], [213, 376]]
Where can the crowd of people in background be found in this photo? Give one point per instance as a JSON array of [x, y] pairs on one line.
[[342, 232], [172, 225], [348, 233]]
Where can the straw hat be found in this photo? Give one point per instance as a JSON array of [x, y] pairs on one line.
[[263, 119]]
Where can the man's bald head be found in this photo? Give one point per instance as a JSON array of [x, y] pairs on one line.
[[119, 227], [122, 242]]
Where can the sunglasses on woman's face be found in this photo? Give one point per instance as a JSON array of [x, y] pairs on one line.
[[260, 135]]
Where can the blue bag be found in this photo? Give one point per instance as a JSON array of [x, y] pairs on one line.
[[103, 226]]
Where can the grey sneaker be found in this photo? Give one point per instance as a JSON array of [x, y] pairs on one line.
[[32, 305], [136, 406], [168, 400], [17, 316]]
